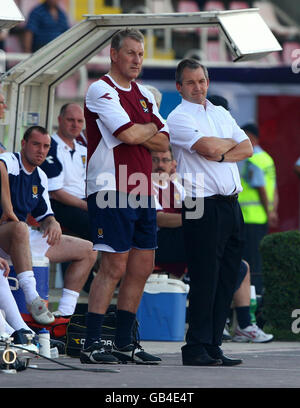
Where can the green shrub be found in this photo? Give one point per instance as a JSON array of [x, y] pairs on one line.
[[281, 273]]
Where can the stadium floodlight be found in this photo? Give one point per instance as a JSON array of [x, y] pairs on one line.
[[247, 35], [10, 15]]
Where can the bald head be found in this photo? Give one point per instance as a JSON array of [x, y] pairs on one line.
[[70, 121]]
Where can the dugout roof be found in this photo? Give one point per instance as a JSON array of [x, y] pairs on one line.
[[30, 85]]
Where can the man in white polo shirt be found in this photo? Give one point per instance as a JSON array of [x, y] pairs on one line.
[[65, 167], [207, 143]]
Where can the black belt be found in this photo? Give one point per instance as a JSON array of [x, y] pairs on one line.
[[232, 197]]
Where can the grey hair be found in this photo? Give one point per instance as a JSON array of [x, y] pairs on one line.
[[190, 63], [118, 38], [156, 93]]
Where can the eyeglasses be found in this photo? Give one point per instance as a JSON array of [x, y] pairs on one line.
[[164, 160]]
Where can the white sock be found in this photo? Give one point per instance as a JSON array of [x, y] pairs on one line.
[[28, 284], [8, 329], [3, 330], [8, 304], [68, 302]]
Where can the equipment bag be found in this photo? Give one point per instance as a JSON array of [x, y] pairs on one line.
[[57, 329], [76, 332]]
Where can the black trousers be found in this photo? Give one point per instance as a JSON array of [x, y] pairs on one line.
[[170, 246], [74, 219], [254, 233], [213, 245]]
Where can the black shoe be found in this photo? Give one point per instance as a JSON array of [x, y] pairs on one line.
[[96, 354], [216, 352], [133, 353], [20, 337], [60, 345], [197, 356]]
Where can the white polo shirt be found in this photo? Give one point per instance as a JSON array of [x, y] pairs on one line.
[[187, 123], [66, 168]]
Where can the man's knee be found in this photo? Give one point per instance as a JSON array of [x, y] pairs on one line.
[[19, 232], [71, 249], [88, 251], [113, 265]]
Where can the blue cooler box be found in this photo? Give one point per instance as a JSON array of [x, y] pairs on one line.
[[161, 314], [41, 272]]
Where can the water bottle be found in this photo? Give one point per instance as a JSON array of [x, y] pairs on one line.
[[44, 340], [253, 304], [54, 352]]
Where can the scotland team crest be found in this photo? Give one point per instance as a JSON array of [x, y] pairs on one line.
[[144, 105], [34, 191]]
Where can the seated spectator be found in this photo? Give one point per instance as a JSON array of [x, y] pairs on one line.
[[45, 22], [170, 253], [65, 167], [24, 191], [82, 139], [246, 331]]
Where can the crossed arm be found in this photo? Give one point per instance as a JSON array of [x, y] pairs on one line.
[[146, 135], [212, 148]]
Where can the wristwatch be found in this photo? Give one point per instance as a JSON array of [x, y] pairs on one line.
[[222, 158]]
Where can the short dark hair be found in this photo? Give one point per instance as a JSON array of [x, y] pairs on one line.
[[251, 128], [118, 38], [64, 108], [219, 100], [190, 63], [28, 131]]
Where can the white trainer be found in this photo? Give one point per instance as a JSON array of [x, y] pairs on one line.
[[252, 334], [39, 311], [226, 335]]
